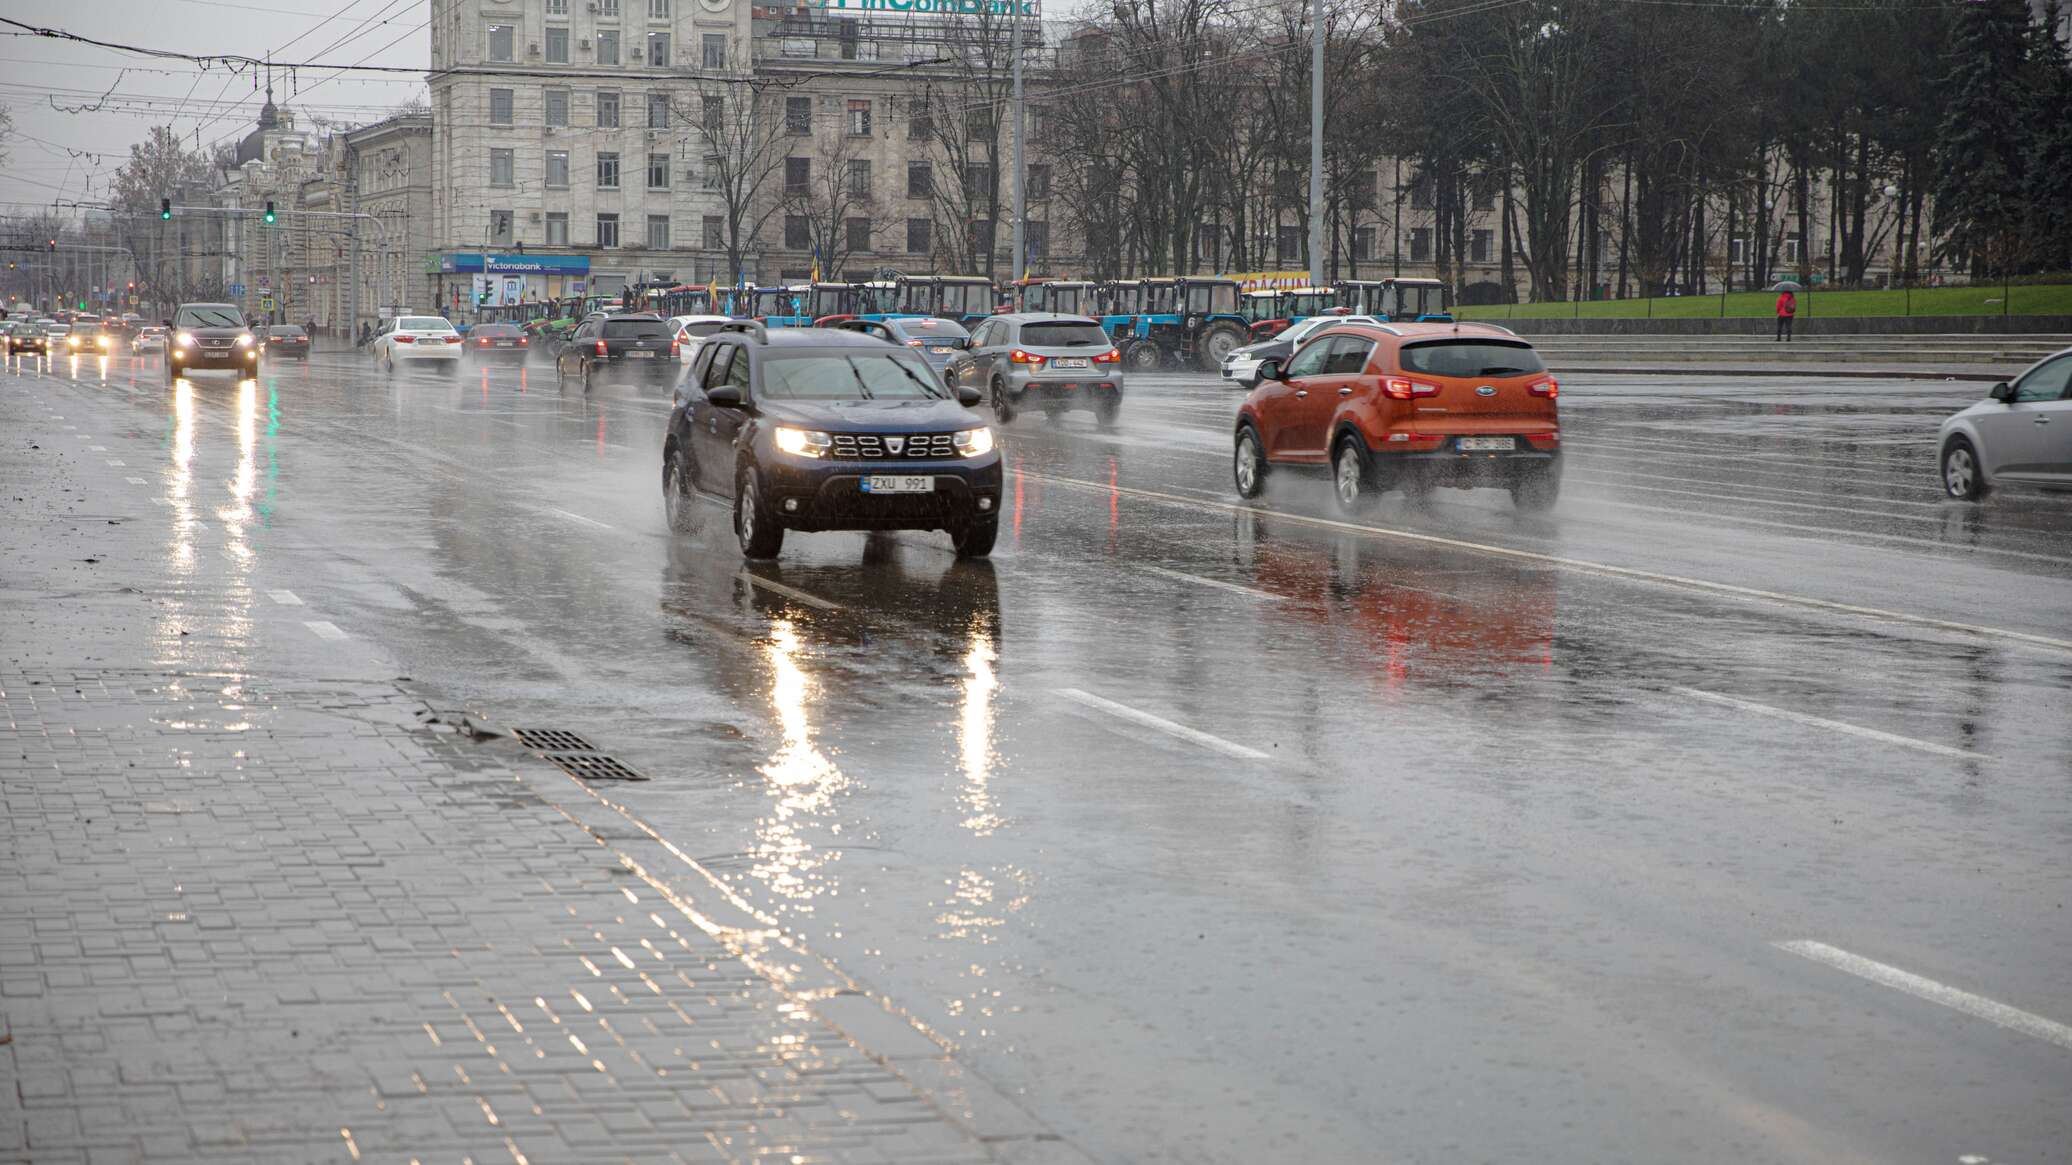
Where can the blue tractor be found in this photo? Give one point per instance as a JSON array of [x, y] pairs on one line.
[[1175, 322]]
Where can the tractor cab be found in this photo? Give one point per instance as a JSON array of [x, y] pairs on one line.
[[882, 299], [966, 299], [1300, 303], [1178, 321], [832, 299], [1065, 298], [1419, 299], [778, 307]]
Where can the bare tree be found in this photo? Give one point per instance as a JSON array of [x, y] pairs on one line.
[[740, 128], [832, 189]]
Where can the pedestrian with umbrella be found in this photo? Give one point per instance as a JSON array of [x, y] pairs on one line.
[[1787, 307]]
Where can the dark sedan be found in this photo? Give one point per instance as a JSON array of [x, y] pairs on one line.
[[497, 344], [286, 340]]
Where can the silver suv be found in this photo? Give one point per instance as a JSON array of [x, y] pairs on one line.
[[1042, 360]]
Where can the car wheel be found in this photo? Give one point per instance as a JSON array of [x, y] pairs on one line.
[[678, 502], [1107, 409], [1248, 463], [1962, 476], [1348, 474], [1003, 406], [1538, 489], [975, 538], [757, 528]]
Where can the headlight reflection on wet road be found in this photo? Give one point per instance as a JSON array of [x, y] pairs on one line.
[[803, 780]]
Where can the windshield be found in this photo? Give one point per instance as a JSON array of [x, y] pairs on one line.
[[425, 324], [636, 330], [494, 330], [1471, 358], [849, 376], [934, 329], [289, 332], [209, 316], [1064, 336], [967, 298]]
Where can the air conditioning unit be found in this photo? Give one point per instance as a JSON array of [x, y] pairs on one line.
[[532, 216], [635, 54], [532, 50]]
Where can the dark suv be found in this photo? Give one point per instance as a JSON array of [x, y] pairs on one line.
[[210, 335], [642, 344], [814, 429]]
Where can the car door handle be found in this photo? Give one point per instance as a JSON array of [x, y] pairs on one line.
[[1345, 392], [2043, 420], [1301, 392]]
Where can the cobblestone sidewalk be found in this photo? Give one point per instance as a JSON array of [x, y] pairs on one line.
[[291, 921]]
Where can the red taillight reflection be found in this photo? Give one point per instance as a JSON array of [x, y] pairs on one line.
[[406, 339], [1020, 357], [1399, 388], [1111, 356]]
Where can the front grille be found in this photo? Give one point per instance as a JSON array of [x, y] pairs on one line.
[[912, 446]]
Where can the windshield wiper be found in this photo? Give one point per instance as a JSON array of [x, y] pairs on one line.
[[926, 387], [861, 387]]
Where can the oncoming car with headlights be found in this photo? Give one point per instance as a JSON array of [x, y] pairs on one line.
[[210, 335], [813, 429]]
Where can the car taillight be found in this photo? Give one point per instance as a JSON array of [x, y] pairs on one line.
[[1549, 387], [1020, 357], [522, 341], [913, 343], [1111, 356], [1398, 388], [484, 343], [406, 339], [455, 340], [675, 346], [601, 351]]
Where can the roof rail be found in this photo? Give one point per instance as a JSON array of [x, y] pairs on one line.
[[1391, 331], [750, 328]]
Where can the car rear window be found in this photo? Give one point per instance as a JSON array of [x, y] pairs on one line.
[[636, 329], [1064, 336], [701, 330], [424, 324], [495, 330], [1471, 358], [947, 329], [287, 332]]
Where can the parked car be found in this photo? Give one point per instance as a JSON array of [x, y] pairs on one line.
[[1042, 360], [1409, 407], [211, 335], [640, 344], [416, 340], [2021, 434], [690, 331], [148, 338], [1242, 365], [819, 429], [937, 340], [497, 343], [288, 340]]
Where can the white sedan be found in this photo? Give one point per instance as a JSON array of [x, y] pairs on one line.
[[690, 331], [413, 339], [149, 338]]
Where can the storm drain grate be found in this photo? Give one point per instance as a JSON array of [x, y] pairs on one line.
[[552, 740], [590, 766]]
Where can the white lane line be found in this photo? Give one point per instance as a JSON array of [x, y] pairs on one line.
[[117, 463], [134, 480], [793, 593], [1199, 581], [1179, 731], [580, 518], [96, 448], [1831, 725], [1728, 590], [1977, 1006], [285, 598], [325, 630]]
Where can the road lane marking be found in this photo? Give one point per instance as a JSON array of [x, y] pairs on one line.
[[134, 480], [1728, 590], [581, 518], [1179, 731], [325, 630], [1199, 581], [96, 448], [116, 463], [1832, 725], [1977, 1006], [285, 598], [793, 593]]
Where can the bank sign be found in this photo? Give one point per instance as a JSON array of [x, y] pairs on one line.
[[1027, 8], [475, 262]]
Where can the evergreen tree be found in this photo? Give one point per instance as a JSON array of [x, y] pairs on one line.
[[1980, 199], [2047, 122]]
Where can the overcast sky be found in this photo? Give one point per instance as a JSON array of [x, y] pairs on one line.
[[73, 155]]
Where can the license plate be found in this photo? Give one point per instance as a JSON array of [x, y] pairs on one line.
[[887, 484], [1070, 362], [942, 351], [506, 344], [640, 355], [1484, 444]]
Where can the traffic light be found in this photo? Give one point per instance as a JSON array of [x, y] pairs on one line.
[[53, 246], [165, 209], [269, 212]]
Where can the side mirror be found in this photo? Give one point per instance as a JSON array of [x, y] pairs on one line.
[[1270, 369], [969, 396], [2002, 392], [726, 396]]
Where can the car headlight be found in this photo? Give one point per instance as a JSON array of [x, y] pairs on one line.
[[974, 442], [803, 442], [184, 339], [244, 341]]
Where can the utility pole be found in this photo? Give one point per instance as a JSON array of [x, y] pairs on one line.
[[1021, 269], [1316, 144]]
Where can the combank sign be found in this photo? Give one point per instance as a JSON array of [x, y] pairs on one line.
[[947, 7]]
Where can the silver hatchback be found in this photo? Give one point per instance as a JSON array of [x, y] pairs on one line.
[[2020, 434], [1042, 360]]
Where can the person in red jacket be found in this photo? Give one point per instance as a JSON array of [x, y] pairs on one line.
[[1787, 308]]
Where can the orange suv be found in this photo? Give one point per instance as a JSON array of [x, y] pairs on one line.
[[1409, 407]]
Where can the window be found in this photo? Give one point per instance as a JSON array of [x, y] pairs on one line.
[[557, 107], [713, 111], [920, 180], [1484, 190], [860, 178], [917, 236], [1791, 247], [1348, 356], [658, 48], [1421, 192], [608, 231], [658, 110], [557, 228], [557, 169], [1311, 360], [978, 181], [798, 234], [1420, 244], [714, 50], [658, 9], [860, 117], [607, 109], [2045, 383], [499, 107], [557, 45], [658, 171], [502, 168], [1478, 246], [981, 237], [658, 232], [798, 174], [608, 47], [1288, 245], [1363, 190], [798, 116], [920, 119], [1035, 238], [607, 7], [500, 226], [1737, 249], [557, 7], [1039, 180], [715, 233], [500, 38], [978, 123], [607, 171], [859, 233], [713, 166], [1466, 357]]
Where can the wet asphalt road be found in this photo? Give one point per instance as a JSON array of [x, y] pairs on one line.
[[1237, 833]]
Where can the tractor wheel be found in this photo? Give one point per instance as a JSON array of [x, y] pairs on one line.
[[1142, 356], [1218, 342]]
